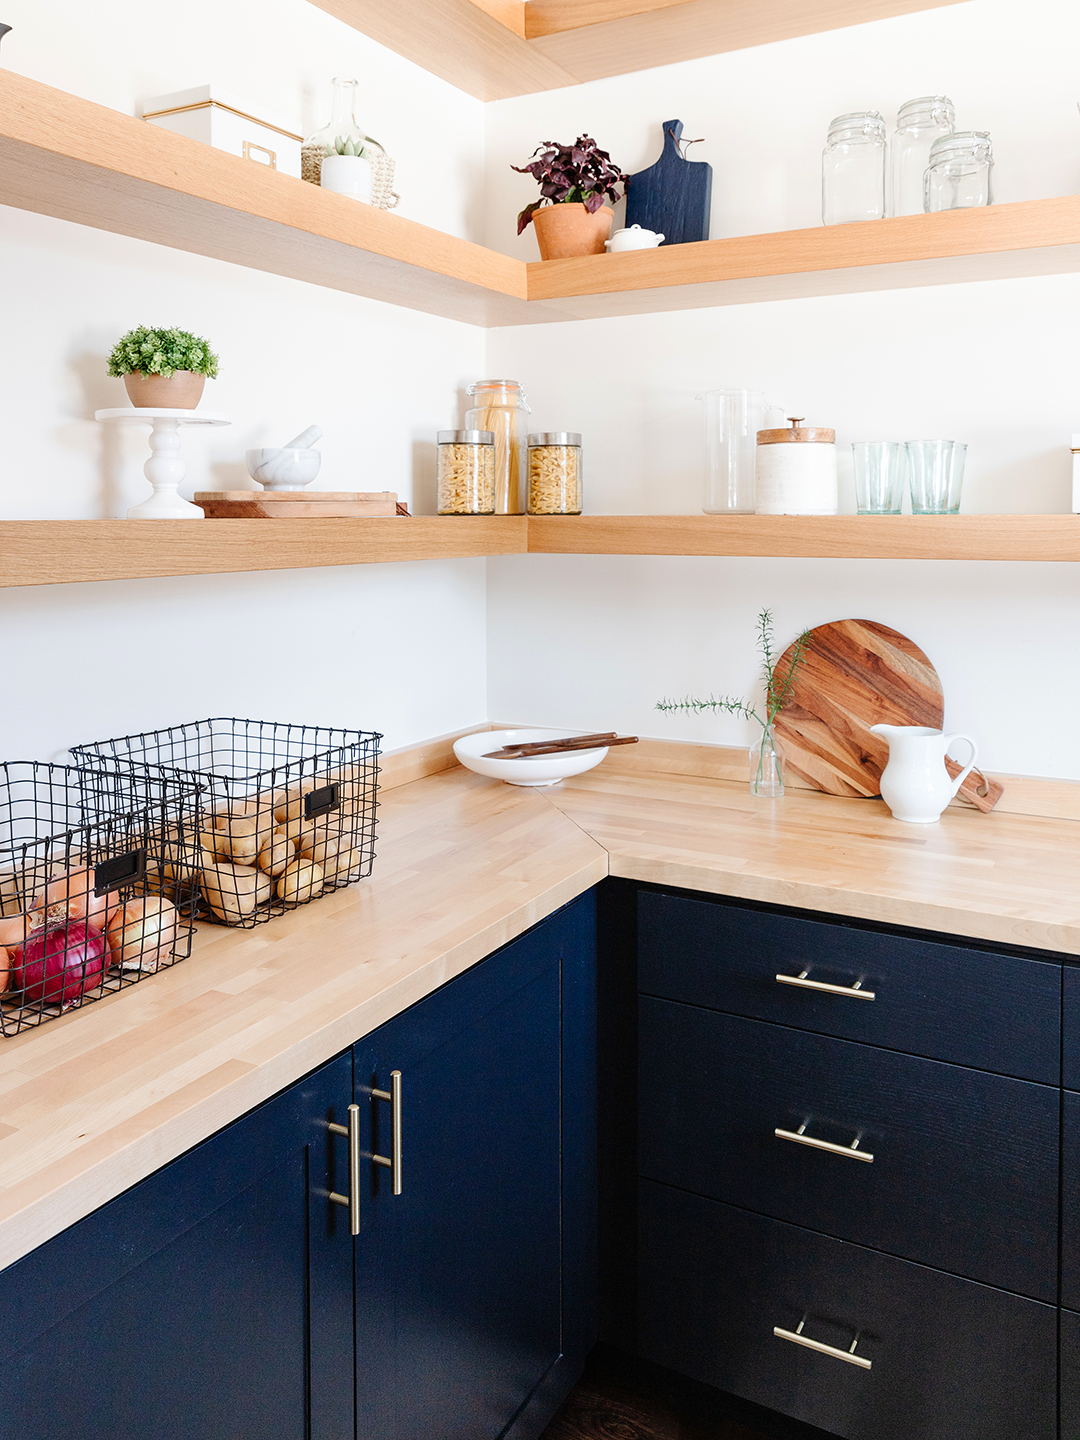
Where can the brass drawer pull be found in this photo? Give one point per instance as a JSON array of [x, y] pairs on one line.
[[851, 1152], [393, 1160], [352, 1200], [802, 980], [797, 1337]]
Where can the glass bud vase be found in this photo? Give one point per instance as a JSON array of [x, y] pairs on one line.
[[767, 765]]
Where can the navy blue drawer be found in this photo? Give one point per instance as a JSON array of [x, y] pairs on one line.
[[1070, 1202], [949, 1002], [964, 1174], [950, 1359], [1070, 1029], [1070, 1375]]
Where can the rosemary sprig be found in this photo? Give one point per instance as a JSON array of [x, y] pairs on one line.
[[777, 692]]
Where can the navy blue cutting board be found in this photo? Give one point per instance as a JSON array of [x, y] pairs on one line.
[[674, 195]]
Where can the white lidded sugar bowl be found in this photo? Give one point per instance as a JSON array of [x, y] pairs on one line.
[[635, 238]]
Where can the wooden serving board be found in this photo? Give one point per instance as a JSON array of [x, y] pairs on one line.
[[858, 673], [674, 196], [294, 504]]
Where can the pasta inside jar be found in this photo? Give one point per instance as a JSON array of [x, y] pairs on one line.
[[466, 476], [554, 474]]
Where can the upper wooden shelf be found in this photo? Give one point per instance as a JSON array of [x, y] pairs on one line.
[[839, 537], [56, 552], [67, 157], [1032, 237], [494, 49]]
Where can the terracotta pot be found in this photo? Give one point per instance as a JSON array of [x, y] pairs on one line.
[[569, 229], [181, 391]]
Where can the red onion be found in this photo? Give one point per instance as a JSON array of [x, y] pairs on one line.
[[58, 966]]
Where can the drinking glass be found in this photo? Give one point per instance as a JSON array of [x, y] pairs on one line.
[[732, 420], [880, 473], [936, 472]]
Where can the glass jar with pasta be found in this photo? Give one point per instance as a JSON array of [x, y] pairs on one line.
[[555, 473], [466, 475], [500, 406]]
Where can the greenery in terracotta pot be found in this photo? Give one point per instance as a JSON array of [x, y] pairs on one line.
[[580, 174], [162, 352]]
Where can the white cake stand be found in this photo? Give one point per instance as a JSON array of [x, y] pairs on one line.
[[164, 469]]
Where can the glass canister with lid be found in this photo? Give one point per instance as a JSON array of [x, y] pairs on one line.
[[500, 406], [853, 169], [466, 474], [918, 124], [958, 175], [555, 473]]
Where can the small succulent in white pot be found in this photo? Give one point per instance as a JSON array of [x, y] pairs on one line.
[[346, 169]]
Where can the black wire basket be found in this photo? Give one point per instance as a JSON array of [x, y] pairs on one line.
[[287, 812], [77, 920]]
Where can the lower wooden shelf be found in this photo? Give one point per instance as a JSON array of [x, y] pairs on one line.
[[840, 537], [57, 552]]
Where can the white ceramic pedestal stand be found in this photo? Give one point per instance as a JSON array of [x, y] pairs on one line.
[[164, 469]]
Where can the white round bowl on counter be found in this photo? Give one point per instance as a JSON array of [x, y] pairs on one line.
[[532, 770]]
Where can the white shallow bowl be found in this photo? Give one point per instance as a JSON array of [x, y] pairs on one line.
[[539, 770]]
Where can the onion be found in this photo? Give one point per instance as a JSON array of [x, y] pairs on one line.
[[142, 932], [58, 966], [71, 897], [14, 930], [5, 968]]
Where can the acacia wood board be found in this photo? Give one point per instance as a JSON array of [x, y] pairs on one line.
[[857, 673], [294, 504]]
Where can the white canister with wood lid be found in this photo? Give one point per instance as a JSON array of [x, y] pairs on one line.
[[796, 471]]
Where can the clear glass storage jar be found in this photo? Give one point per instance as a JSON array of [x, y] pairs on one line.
[[853, 169], [466, 474], [501, 407], [732, 421], [918, 124], [958, 175], [555, 473]]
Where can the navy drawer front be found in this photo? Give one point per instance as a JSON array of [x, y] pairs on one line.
[[1070, 1375], [964, 1173], [1070, 1203], [950, 1359], [948, 1002], [1070, 1028]]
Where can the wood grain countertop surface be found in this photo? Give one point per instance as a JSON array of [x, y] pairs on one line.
[[98, 1099]]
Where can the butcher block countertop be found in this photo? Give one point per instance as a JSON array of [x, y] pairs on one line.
[[98, 1099]]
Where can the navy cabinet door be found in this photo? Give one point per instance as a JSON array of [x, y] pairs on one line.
[[964, 1174], [459, 1278], [182, 1308], [948, 1359]]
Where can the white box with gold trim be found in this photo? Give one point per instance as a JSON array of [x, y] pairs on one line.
[[219, 118]]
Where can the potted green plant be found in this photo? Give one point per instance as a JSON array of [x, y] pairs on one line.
[[570, 218], [163, 369], [766, 755]]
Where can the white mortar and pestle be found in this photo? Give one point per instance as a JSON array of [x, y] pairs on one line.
[[289, 467]]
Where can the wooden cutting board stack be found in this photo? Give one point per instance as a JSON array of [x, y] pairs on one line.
[[858, 673], [294, 504]]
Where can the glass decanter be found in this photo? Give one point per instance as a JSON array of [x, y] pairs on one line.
[[343, 128]]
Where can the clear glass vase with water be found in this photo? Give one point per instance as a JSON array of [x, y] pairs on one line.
[[732, 421]]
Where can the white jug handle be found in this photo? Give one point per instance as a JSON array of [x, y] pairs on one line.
[[971, 763]]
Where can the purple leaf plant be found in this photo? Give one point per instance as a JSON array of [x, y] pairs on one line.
[[581, 173]]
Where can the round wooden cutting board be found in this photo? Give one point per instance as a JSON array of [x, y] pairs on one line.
[[858, 673]]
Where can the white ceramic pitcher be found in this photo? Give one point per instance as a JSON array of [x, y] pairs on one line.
[[915, 784]]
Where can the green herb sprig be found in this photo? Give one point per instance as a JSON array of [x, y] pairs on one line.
[[777, 691]]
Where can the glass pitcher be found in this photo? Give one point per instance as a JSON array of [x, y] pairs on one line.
[[501, 407], [732, 421]]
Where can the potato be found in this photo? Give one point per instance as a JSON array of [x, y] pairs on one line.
[[299, 881], [291, 806], [234, 891], [277, 851], [339, 867]]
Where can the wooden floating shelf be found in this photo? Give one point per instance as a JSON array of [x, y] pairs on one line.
[[839, 537], [495, 49], [67, 157], [57, 552]]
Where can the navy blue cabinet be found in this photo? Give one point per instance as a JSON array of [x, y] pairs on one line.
[[182, 1308], [460, 1298], [226, 1296]]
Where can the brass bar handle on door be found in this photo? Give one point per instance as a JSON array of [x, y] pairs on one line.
[[352, 1200], [851, 1152], [802, 980], [797, 1337], [393, 1160]]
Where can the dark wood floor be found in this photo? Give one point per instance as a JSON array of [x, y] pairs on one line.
[[621, 1398]]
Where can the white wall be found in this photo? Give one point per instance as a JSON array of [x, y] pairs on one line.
[[595, 642], [364, 646]]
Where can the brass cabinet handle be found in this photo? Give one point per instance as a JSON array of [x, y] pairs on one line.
[[352, 1200], [853, 992], [851, 1152], [393, 1160], [797, 1337]]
